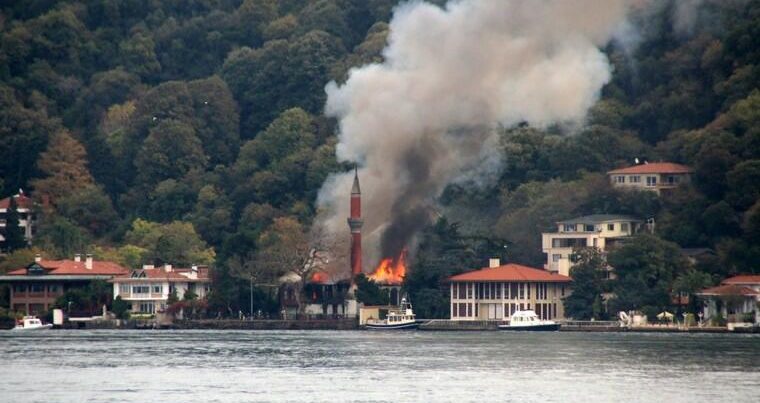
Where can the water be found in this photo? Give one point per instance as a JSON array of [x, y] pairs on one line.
[[365, 366]]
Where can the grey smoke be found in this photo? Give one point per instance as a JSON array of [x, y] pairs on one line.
[[426, 116]]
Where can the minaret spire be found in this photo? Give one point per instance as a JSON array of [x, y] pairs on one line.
[[355, 223]]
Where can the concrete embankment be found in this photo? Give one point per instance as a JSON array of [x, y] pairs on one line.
[[576, 326], [337, 324]]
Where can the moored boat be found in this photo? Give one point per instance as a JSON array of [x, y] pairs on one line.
[[31, 323], [529, 321], [402, 318]]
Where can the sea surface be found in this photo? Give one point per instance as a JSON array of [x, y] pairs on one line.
[[367, 366]]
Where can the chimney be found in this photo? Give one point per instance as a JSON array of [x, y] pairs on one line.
[[167, 267], [37, 258], [77, 257], [88, 261], [193, 271], [494, 262]]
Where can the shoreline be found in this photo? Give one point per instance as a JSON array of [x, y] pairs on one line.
[[436, 325]]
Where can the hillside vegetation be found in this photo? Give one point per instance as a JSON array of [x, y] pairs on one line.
[[192, 131]]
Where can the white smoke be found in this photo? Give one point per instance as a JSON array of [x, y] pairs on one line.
[[425, 117]]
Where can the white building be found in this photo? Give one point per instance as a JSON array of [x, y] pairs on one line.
[[601, 231], [26, 218], [498, 291], [148, 289], [656, 176], [734, 299]]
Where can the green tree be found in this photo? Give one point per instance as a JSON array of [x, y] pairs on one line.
[[89, 208], [588, 274], [120, 308], [175, 243], [13, 234], [368, 292], [646, 268]]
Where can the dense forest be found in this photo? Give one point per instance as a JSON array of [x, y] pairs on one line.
[[193, 132]]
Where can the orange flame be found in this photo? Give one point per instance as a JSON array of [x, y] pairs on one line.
[[319, 277], [390, 270]]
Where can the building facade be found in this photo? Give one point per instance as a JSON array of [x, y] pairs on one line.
[[497, 292], [147, 290], [656, 176], [734, 299], [35, 288], [602, 231], [26, 217]]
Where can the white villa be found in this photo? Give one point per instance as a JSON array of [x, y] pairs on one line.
[[733, 298], [148, 289], [498, 291], [601, 231], [26, 218], [656, 176]]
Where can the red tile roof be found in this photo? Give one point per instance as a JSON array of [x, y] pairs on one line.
[[71, 268], [21, 202], [729, 289], [743, 279], [511, 272], [654, 168]]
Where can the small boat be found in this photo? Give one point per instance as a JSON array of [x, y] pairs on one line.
[[529, 321], [397, 319], [31, 323]]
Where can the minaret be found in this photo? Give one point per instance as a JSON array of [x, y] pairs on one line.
[[355, 222]]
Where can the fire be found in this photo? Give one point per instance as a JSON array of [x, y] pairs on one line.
[[390, 270], [319, 277]]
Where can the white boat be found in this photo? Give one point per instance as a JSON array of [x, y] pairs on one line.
[[397, 319], [31, 323], [529, 321]]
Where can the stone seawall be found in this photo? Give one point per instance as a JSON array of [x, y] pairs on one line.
[[337, 324]]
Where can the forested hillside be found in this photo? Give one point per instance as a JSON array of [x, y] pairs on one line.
[[192, 131]]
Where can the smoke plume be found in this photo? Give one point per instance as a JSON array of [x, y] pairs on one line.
[[426, 116]]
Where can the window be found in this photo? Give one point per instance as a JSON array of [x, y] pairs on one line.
[[569, 243], [454, 310], [469, 309], [462, 291], [512, 290], [469, 290], [620, 179], [498, 290], [527, 285], [53, 288], [610, 227], [140, 289], [588, 228], [672, 179], [19, 288], [521, 289], [556, 257], [651, 181], [158, 289], [635, 179], [37, 288], [146, 307], [624, 227], [124, 289], [569, 227], [462, 309]]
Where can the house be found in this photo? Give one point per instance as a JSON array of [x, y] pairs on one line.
[[496, 292], [602, 231], [734, 299], [656, 176], [26, 217], [35, 288], [147, 290], [323, 296]]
